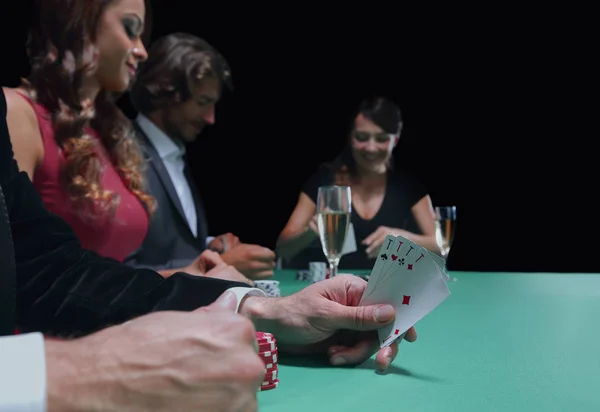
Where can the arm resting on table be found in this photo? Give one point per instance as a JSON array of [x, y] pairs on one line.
[[64, 289], [290, 245]]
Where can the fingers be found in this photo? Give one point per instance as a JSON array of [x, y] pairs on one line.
[[265, 254], [376, 234], [227, 301], [362, 318], [369, 239], [376, 242], [411, 334], [253, 253], [228, 272], [228, 241], [261, 275], [233, 240], [352, 355], [239, 277], [386, 356], [258, 269], [209, 259], [372, 252], [342, 355]]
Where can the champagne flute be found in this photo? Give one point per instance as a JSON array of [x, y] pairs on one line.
[[445, 226], [334, 207]]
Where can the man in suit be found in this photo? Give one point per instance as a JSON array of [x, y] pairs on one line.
[[175, 92], [50, 282]]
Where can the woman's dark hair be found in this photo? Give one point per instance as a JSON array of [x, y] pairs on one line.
[[381, 111], [61, 52], [176, 63]]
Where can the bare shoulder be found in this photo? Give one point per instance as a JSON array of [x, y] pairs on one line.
[[24, 130], [18, 107]]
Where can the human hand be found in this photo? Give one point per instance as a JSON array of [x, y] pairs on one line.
[[254, 261], [325, 318], [313, 224], [211, 265], [223, 243], [165, 361], [375, 240]]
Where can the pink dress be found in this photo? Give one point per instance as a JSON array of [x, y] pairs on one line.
[[114, 237]]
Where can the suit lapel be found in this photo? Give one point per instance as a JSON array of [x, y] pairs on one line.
[[202, 229], [157, 164]]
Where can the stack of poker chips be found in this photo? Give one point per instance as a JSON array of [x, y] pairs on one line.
[[267, 350], [317, 271], [270, 287]]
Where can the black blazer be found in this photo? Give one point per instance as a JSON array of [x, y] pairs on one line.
[[8, 276], [169, 243], [63, 289]]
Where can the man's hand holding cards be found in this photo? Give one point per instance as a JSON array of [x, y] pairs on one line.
[[408, 277]]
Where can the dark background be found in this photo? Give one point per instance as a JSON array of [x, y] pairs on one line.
[[487, 101]]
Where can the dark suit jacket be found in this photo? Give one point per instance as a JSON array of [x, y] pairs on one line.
[[63, 289], [8, 275], [169, 243]]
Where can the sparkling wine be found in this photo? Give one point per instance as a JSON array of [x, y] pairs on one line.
[[333, 228], [444, 234]]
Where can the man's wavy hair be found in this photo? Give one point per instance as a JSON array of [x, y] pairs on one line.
[[61, 51], [176, 62]]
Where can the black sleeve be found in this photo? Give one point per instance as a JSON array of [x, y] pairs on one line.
[[322, 177], [133, 261], [63, 289]]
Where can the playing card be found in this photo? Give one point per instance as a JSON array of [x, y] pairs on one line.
[[414, 285], [402, 250], [350, 243], [382, 259], [417, 294], [441, 263], [390, 258], [406, 250]]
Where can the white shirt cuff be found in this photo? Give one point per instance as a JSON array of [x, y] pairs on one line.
[[208, 240], [241, 291], [23, 373]]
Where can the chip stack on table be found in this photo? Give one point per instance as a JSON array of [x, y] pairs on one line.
[[317, 271], [303, 275], [270, 287], [267, 350]]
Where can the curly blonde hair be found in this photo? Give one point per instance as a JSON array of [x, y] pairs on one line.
[[61, 52]]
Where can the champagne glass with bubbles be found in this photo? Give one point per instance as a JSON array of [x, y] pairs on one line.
[[445, 227], [334, 207]]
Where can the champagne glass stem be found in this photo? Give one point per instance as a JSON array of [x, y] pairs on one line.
[[332, 269]]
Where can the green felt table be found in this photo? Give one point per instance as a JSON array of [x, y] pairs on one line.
[[501, 342]]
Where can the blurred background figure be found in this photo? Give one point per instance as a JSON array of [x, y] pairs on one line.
[[68, 134], [175, 93], [71, 138], [384, 200]]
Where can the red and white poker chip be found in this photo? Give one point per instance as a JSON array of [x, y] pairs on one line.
[[267, 350], [265, 386]]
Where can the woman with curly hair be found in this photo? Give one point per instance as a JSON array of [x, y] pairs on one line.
[[68, 134], [76, 145]]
